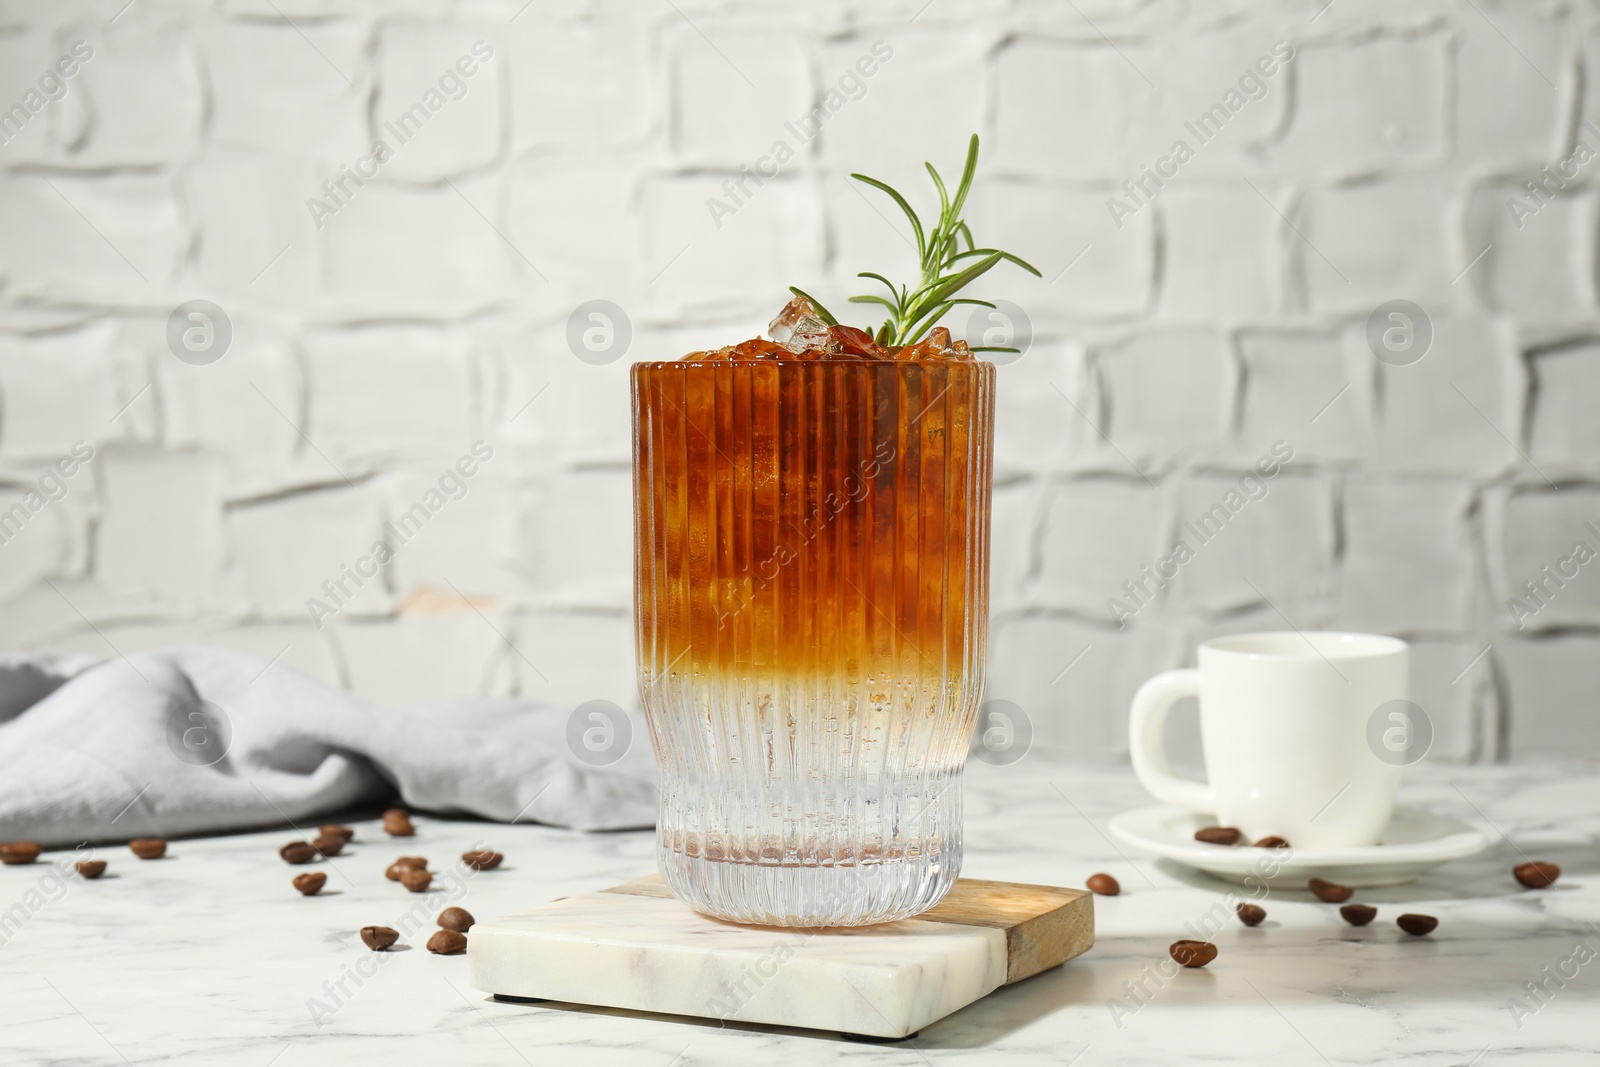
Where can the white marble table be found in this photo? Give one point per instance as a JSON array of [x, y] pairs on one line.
[[210, 957]]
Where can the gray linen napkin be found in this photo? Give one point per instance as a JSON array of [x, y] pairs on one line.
[[109, 749]]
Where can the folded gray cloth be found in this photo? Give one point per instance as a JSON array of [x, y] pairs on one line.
[[109, 749]]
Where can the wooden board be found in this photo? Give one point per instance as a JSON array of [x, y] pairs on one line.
[[634, 946]]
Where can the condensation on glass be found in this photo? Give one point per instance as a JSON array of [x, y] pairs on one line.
[[811, 607]]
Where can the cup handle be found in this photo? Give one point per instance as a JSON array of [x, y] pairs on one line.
[[1150, 764]]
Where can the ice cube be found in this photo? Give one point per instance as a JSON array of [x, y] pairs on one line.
[[798, 326]]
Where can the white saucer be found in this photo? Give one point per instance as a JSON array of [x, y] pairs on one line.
[[1415, 841]]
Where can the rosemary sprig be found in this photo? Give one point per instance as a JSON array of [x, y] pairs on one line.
[[946, 268]]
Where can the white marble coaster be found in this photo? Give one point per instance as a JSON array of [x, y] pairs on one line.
[[636, 947]]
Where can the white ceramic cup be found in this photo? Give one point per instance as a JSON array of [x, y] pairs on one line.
[[1284, 721]]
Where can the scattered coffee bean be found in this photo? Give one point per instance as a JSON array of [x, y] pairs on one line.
[[1536, 875], [379, 938], [15, 853], [1333, 894], [447, 943], [404, 864], [1193, 953], [1358, 914], [1417, 925], [1218, 835], [482, 859], [458, 919], [396, 823], [1272, 841], [311, 882], [91, 868], [335, 830], [1103, 884], [328, 846], [1251, 914], [148, 848], [298, 852], [416, 880]]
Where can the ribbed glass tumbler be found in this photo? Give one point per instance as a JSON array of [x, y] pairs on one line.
[[811, 605]]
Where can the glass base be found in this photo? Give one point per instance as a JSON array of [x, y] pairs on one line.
[[849, 895], [858, 884]]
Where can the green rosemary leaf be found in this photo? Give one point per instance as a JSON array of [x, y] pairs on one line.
[[926, 321], [992, 348], [915, 313], [931, 318], [823, 313], [949, 285], [1024, 264], [944, 197], [873, 298], [897, 295], [968, 171], [916, 223], [968, 254]]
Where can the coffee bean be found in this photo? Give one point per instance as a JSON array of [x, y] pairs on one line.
[[1218, 835], [1251, 914], [1272, 841], [1417, 925], [1193, 953], [310, 882], [1358, 914], [416, 880], [404, 864], [1103, 884], [328, 845], [91, 868], [1333, 894], [335, 830], [16, 853], [458, 919], [148, 848], [396, 823], [298, 852], [482, 859], [447, 943], [379, 938], [1536, 875]]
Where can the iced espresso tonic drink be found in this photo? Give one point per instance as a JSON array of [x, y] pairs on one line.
[[811, 604]]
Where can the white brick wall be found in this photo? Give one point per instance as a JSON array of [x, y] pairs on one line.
[[373, 346]]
